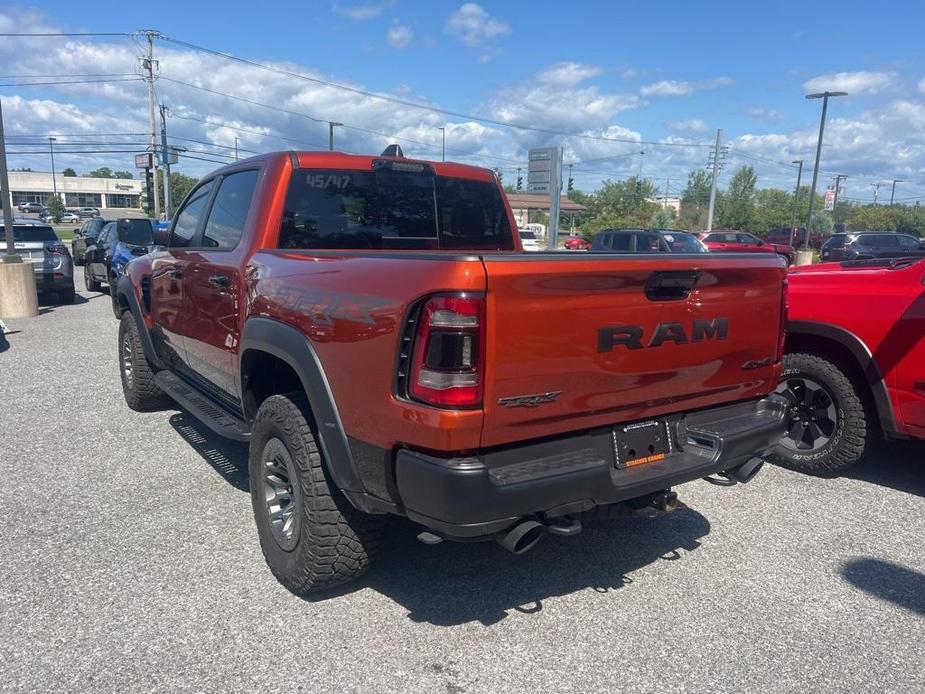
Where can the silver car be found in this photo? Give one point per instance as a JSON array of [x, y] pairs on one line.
[[50, 259]]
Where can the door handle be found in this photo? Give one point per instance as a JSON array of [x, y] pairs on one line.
[[219, 281]]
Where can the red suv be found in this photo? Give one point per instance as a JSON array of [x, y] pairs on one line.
[[855, 364], [742, 242]]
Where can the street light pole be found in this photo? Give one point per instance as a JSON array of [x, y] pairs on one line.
[[893, 192], [796, 198], [812, 192], [51, 148], [331, 125], [443, 155]]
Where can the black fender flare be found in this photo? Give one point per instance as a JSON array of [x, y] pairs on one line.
[[126, 290], [291, 346], [864, 359]]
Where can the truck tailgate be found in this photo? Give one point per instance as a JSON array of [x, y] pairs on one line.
[[579, 341]]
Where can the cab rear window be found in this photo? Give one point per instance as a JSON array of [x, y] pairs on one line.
[[389, 209]]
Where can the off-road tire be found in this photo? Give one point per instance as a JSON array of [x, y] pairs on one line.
[[91, 284], [141, 392], [114, 298], [333, 542], [853, 435]]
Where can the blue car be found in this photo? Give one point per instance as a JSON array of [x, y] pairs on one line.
[[119, 242]]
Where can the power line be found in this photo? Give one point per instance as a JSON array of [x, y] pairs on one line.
[[69, 33], [37, 84]]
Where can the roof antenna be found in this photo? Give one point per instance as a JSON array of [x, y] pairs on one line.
[[393, 151]]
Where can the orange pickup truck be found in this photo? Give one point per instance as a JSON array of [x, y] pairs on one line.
[[373, 328]]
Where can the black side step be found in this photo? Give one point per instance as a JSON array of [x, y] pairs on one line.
[[217, 418]]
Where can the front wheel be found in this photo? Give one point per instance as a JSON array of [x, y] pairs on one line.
[[310, 534], [141, 392], [91, 284], [828, 430]]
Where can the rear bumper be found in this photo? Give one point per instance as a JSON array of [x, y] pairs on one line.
[[483, 494], [60, 280]]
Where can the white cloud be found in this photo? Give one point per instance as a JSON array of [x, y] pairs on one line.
[[565, 74], [691, 125], [855, 83], [766, 114], [399, 35], [363, 12], [474, 27], [683, 88]]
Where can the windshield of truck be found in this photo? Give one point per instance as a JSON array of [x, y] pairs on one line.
[[136, 232], [388, 209]]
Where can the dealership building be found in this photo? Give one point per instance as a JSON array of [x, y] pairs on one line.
[[76, 191]]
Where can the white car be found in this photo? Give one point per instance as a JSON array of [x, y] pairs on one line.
[[528, 240]]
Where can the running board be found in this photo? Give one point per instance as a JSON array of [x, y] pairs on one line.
[[217, 418]]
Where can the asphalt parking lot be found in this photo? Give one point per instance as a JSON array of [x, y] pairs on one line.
[[129, 562]]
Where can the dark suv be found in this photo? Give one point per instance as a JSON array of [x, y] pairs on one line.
[[646, 241], [867, 245], [85, 236]]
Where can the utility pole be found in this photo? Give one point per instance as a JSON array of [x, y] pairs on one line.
[[331, 125], [165, 160], [665, 199], [51, 148], [235, 147], [148, 64], [876, 191], [893, 192], [719, 134], [443, 154], [812, 191], [796, 198], [838, 180]]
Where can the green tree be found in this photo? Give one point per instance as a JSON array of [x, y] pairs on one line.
[[663, 218], [773, 210], [822, 222], [69, 172], [737, 210], [102, 172], [180, 186], [55, 207], [122, 174], [695, 200]]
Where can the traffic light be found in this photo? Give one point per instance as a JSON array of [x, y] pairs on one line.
[[520, 182], [571, 184]]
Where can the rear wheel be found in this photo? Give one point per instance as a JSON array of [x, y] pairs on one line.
[[828, 430], [310, 534], [91, 284], [141, 392]]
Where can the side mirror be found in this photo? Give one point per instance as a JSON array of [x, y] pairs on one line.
[[760, 242], [76, 232]]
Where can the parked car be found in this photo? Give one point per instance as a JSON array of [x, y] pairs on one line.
[[646, 241], [853, 369], [119, 242], [462, 390], [577, 243], [528, 240], [85, 236], [31, 207], [88, 212], [50, 259], [66, 218], [866, 245], [742, 242], [795, 238]]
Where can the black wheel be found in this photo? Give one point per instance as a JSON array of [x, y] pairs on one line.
[[66, 296], [91, 284], [310, 534], [828, 431], [114, 298], [141, 392]]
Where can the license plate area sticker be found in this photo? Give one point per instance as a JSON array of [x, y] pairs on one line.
[[640, 443]]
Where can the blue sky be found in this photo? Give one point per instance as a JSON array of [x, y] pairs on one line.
[[671, 73]]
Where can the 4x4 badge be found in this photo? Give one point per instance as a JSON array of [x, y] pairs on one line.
[[529, 400]]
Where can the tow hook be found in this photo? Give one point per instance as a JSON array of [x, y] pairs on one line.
[[666, 501]]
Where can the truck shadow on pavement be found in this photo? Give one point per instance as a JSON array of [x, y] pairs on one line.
[[887, 581], [899, 465], [456, 583], [452, 583]]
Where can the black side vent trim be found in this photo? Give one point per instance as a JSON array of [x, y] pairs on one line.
[[146, 295], [671, 285], [405, 346]]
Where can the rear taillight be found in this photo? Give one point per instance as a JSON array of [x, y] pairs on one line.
[[56, 248], [784, 316], [448, 357]]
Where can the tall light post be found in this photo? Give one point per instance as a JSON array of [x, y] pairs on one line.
[[893, 192], [443, 154], [812, 192], [51, 148], [331, 125], [796, 198]]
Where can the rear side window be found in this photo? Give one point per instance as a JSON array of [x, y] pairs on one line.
[[884, 240], [386, 209], [621, 242], [187, 220], [229, 210], [837, 241]]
